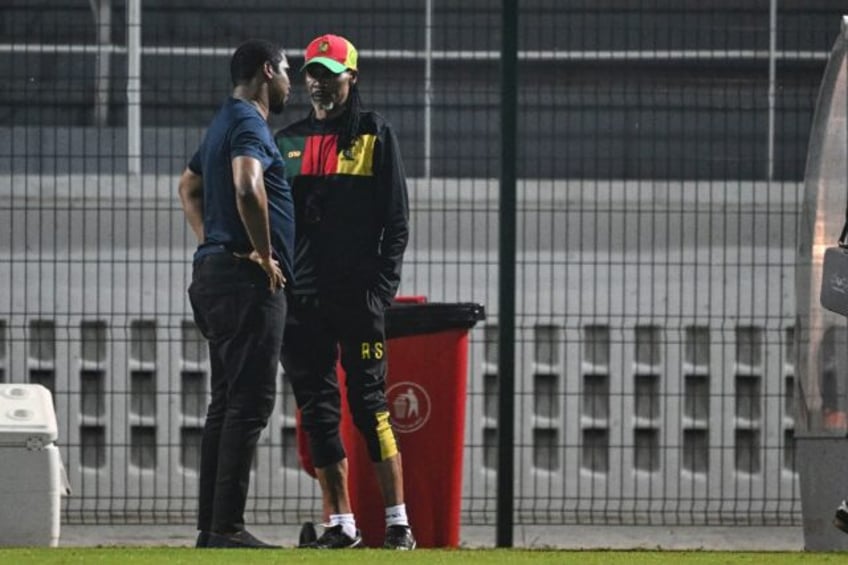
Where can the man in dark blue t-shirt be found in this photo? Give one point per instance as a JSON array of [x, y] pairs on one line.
[[237, 201]]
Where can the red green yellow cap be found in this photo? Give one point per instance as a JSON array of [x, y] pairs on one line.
[[333, 51]]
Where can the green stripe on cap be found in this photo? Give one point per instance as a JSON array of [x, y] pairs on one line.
[[331, 64]]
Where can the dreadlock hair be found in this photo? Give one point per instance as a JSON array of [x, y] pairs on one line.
[[349, 132]]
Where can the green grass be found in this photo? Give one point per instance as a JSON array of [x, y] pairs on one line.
[[143, 556]]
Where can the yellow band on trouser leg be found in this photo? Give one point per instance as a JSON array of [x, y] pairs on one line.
[[385, 436]]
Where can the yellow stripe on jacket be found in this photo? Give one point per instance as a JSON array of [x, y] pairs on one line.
[[359, 159]]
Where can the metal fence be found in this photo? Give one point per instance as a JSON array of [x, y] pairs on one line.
[[661, 147]]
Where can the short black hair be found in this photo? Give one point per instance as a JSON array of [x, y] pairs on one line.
[[249, 58]]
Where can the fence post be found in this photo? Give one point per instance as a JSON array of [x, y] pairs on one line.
[[506, 274], [133, 89]]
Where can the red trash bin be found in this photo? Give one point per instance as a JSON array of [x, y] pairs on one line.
[[427, 348]]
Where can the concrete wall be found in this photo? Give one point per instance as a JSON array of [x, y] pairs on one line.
[[654, 364]]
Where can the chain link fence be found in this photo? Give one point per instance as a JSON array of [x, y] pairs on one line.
[[661, 149]]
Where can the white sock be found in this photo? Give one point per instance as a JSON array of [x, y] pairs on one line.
[[346, 521], [396, 516]]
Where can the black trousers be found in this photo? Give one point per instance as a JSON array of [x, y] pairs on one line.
[[243, 322], [316, 329]]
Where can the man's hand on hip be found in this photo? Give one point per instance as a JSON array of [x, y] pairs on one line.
[[272, 269]]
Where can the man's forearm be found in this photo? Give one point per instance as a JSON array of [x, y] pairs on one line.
[[252, 203], [253, 209], [191, 198], [194, 215]]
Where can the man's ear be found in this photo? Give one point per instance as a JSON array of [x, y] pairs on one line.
[[268, 70], [354, 75]]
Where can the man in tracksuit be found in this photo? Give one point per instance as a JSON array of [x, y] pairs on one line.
[[352, 223]]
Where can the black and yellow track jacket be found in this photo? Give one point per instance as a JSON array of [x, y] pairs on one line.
[[351, 207]]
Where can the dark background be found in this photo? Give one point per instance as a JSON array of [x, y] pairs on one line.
[[641, 113]]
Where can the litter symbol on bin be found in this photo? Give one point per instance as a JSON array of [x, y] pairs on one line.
[[410, 406]]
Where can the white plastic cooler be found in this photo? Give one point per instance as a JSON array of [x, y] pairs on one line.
[[32, 478]]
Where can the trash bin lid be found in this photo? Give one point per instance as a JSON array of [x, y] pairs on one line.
[[26, 413], [404, 320]]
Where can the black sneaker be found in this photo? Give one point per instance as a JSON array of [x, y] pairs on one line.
[[308, 535], [202, 539], [841, 518], [399, 537], [242, 538], [335, 538]]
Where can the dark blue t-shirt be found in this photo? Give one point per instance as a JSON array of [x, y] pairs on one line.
[[239, 130]]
